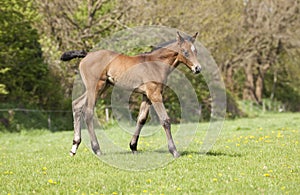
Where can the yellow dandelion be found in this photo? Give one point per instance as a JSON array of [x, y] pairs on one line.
[[215, 179], [44, 168], [145, 191], [279, 135], [220, 174], [190, 156], [178, 189], [267, 175], [51, 181], [115, 193], [8, 173], [148, 181]]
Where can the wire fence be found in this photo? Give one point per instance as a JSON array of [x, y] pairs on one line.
[[16, 119]]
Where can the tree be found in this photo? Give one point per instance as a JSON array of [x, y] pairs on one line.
[[28, 81], [3, 90], [74, 24], [268, 31], [215, 21]]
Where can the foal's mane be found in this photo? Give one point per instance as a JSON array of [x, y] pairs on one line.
[[167, 43], [163, 45]]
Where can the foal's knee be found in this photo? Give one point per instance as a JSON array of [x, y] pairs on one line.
[[89, 113], [166, 123], [142, 121]]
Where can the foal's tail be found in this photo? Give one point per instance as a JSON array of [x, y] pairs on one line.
[[69, 55]]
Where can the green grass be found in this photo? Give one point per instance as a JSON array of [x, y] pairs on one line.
[[251, 156]]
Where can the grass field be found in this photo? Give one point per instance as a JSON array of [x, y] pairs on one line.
[[251, 156]]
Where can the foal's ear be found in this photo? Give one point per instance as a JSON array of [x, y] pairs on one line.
[[193, 38], [179, 39]]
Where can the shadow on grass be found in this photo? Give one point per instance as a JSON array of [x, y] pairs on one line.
[[184, 153], [211, 153]]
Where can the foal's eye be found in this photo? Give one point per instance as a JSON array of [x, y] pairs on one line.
[[185, 53]]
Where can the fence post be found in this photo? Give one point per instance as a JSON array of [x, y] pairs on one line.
[[106, 114], [49, 122]]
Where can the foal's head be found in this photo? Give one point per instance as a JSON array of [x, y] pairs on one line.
[[187, 53]]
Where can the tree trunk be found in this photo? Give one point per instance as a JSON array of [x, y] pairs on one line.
[[249, 88], [259, 88]]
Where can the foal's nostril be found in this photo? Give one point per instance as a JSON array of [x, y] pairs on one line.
[[197, 69]]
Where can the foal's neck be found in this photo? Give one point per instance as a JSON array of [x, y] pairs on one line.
[[166, 55]]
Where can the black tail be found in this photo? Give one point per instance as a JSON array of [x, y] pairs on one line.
[[69, 55]]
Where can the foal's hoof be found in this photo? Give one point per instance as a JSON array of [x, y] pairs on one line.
[[176, 154], [98, 153], [72, 153], [134, 152]]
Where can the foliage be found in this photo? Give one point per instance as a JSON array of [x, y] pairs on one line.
[[251, 156], [255, 44], [70, 25], [248, 39], [2, 86], [28, 79]]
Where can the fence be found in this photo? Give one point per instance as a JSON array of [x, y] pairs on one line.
[[14, 119]]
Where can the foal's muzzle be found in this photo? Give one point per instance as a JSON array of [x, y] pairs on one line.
[[196, 69]]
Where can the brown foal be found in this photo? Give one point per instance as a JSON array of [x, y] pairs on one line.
[[103, 68]]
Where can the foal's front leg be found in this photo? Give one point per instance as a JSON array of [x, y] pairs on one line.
[[141, 120], [154, 95], [165, 121]]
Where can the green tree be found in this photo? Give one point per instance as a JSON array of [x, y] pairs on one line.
[[73, 25], [255, 43], [28, 80], [3, 90]]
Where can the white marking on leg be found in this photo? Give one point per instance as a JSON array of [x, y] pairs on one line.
[[74, 148]]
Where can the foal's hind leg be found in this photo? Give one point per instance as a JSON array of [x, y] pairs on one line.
[[77, 107], [141, 120], [89, 114]]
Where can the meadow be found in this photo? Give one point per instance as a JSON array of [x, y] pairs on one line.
[[259, 155]]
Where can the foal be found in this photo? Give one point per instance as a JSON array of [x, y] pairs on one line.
[[104, 68]]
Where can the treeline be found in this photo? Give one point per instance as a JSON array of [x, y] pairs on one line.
[[256, 45]]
